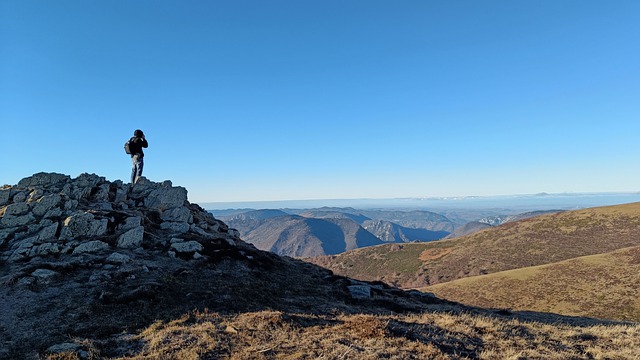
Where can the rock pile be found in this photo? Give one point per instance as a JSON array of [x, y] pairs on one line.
[[51, 216]]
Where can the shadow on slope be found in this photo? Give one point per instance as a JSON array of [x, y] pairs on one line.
[[330, 235]]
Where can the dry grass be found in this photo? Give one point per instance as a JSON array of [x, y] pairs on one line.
[[601, 286], [433, 335]]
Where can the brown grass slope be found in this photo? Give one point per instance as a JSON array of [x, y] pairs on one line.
[[445, 334], [280, 308], [530, 242], [601, 286]]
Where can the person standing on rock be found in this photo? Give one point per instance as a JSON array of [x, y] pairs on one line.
[[136, 143]]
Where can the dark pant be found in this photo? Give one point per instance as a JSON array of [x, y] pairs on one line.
[[138, 164]]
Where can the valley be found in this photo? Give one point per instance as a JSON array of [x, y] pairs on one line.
[[331, 231]]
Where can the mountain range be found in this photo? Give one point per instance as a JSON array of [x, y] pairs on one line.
[[493, 267], [330, 231], [326, 231]]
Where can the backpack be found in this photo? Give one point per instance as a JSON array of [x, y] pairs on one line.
[[127, 147]]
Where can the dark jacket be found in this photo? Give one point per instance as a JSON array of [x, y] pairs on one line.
[[136, 144]]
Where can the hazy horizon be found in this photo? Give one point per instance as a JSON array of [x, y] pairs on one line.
[[540, 201]]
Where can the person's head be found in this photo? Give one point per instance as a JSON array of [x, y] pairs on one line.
[[138, 133]]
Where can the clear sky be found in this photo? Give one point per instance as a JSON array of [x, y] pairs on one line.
[[280, 100]]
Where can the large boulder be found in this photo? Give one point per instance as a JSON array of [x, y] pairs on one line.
[[5, 195], [132, 238], [83, 224], [166, 198], [90, 247], [178, 214], [43, 180], [44, 204]]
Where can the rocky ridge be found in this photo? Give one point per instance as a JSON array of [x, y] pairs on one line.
[[50, 215]]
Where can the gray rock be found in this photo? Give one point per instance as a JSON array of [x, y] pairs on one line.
[[102, 195], [35, 195], [117, 258], [132, 238], [19, 197], [24, 243], [83, 224], [44, 180], [86, 180], [49, 232], [176, 227], [71, 205], [143, 182], [5, 233], [200, 231], [121, 196], [45, 249], [53, 213], [19, 254], [179, 214], [360, 291], [100, 276], [130, 223], [16, 209], [186, 247], [166, 198], [90, 247], [10, 221], [5, 195], [103, 206], [80, 193], [44, 274], [45, 204], [26, 281]]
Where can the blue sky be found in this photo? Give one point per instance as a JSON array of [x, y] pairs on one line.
[[280, 100]]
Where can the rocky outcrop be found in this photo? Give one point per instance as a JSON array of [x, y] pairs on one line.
[[51, 215], [84, 243]]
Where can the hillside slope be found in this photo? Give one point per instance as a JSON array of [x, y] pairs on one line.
[[248, 221], [602, 286], [530, 242], [468, 229], [298, 236]]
